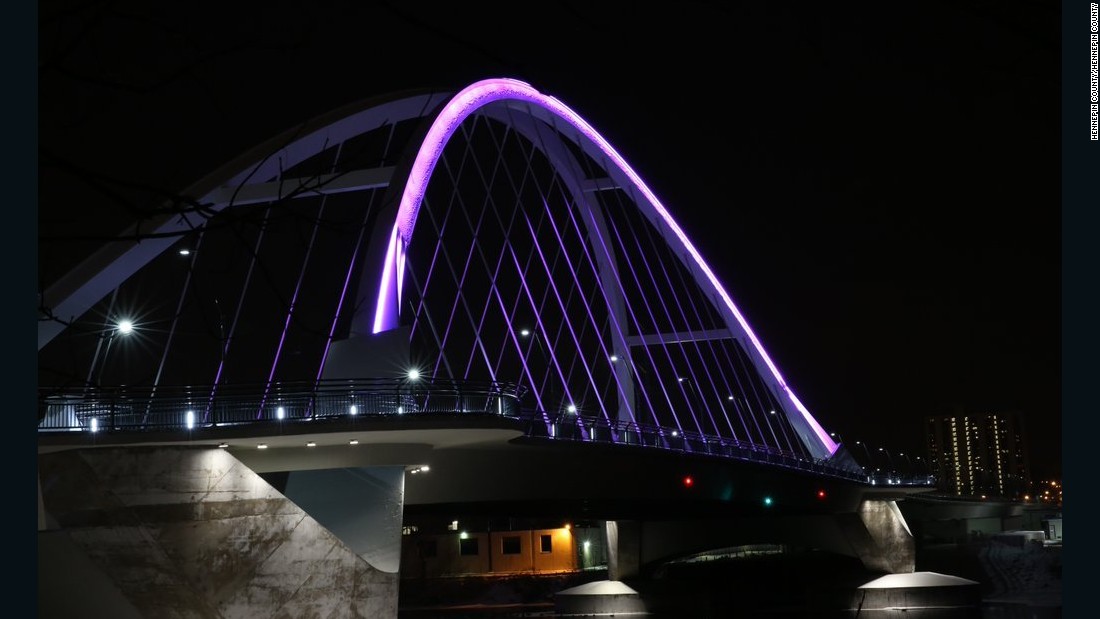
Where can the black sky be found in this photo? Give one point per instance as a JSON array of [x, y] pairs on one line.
[[878, 187]]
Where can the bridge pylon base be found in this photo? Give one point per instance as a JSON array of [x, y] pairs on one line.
[[880, 536]]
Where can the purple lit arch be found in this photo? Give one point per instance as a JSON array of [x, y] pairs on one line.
[[479, 95], [625, 305]]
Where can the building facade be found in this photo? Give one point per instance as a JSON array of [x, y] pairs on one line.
[[476, 553], [979, 455]]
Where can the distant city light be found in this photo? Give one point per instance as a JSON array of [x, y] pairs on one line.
[[353, 441], [311, 444], [261, 446], [767, 501], [185, 252], [688, 481], [125, 327], [524, 332], [571, 408], [614, 358]]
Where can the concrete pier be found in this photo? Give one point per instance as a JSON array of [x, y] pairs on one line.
[[191, 532]]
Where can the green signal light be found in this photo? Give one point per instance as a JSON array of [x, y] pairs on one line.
[[767, 501]]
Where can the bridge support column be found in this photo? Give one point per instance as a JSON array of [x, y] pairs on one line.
[[880, 536], [624, 548], [179, 531], [361, 506]]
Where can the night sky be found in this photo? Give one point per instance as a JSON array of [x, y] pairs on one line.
[[878, 188]]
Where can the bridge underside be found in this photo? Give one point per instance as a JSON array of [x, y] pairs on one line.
[[205, 517]]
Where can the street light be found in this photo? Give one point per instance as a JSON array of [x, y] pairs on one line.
[[889, 459], [123, 327], [867, 452], [911, 470], [692, 390]]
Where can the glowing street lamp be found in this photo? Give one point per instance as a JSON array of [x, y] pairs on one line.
[[123, 327]]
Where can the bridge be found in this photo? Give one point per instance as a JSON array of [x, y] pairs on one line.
[[472, 283]]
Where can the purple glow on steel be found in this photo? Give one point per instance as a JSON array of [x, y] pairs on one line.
[[599, 236], [614, 230], [587, 308], [385, 314], [482, 93], [612, 318], [549, 350]]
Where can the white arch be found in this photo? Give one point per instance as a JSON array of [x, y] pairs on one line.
[[484, 92]]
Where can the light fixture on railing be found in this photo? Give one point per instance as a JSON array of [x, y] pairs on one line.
[[190, 420], [280, 413]]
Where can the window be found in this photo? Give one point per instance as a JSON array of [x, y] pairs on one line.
[[468, 547], [510, 545], [544, 540], [428, 548]]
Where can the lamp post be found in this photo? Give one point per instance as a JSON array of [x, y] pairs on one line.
[[691, 390], [867, 452], [839, 439], [411, 376], [124, 328], [927, 469], [532, 335], [910, 472], [889, 459]]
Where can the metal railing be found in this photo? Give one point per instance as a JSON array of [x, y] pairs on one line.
[[129, 409], [575, 428], [187, 408]]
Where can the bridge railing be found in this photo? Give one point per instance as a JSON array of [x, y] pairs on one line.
[[576, 428], [188, 407], [879, 479], [178, 408]]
